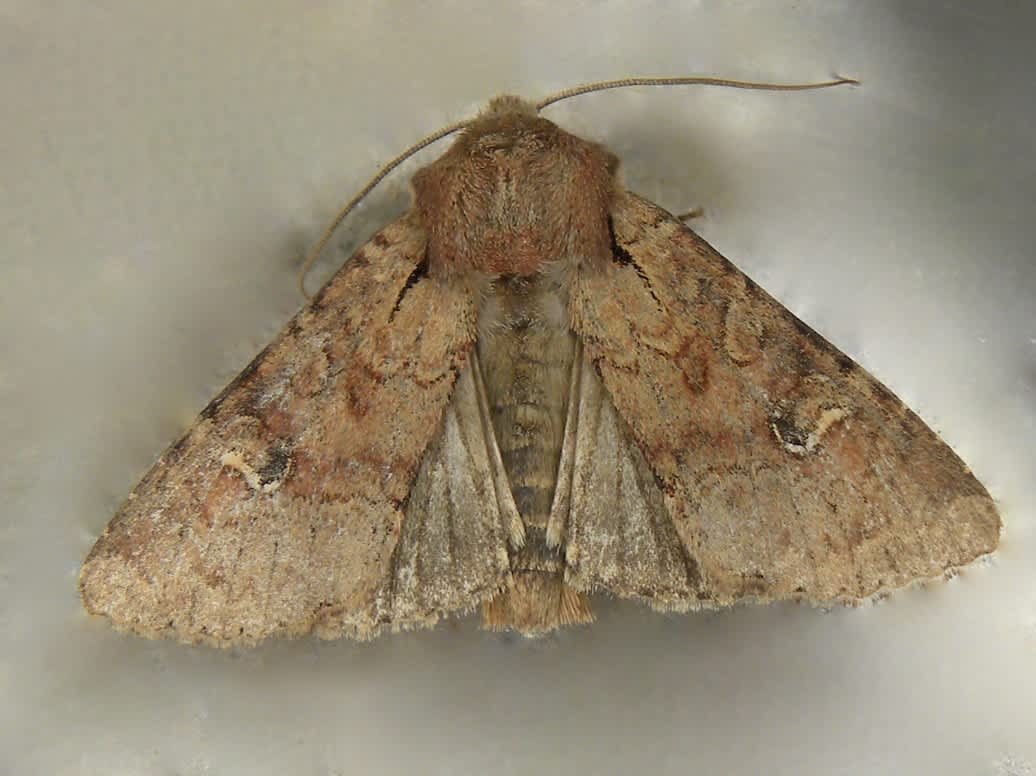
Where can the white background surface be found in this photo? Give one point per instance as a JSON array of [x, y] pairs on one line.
[[165, 164]]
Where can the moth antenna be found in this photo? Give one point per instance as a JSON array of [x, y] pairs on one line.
[[316, 250], [596, 86], [599, 86]]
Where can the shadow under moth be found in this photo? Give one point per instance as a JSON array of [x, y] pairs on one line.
[[532, 386]]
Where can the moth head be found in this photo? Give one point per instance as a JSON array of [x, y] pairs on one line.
[[516, 192], [513, 193]]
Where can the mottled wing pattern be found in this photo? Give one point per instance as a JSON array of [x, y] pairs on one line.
[[788, 470], [280, 511]]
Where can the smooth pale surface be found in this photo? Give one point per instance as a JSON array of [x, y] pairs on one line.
[[165, 165]]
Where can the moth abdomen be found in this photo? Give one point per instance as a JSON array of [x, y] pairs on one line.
[[526, 354]]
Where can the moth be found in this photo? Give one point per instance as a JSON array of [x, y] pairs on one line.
[[532, 386]]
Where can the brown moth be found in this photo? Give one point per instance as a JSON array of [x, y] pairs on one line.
[[532, 386]]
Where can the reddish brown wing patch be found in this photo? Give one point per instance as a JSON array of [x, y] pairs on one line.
[[279, 511], [788, 470]]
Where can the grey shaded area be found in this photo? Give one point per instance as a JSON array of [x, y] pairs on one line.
[[165, 166]]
